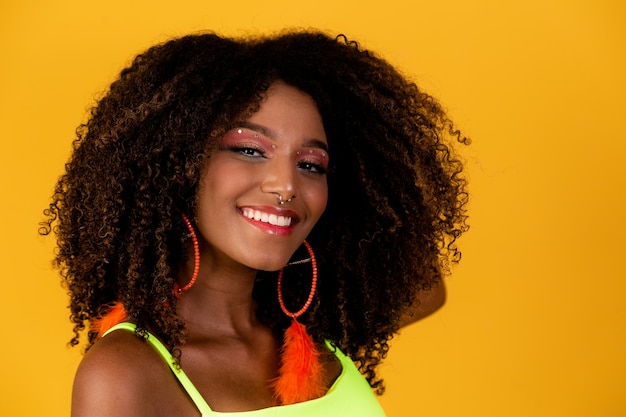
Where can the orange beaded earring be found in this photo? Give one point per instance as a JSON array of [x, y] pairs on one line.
[[114, 313], [178, 291], [301, 374]]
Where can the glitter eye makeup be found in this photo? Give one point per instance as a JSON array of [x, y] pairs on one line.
[[242, 137], [313, 160], [240, 131], [254, 141]]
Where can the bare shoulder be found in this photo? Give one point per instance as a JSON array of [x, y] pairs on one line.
[[122, 375]]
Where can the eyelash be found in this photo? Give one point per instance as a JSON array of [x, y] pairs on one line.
[[312, 167], [248, 151], [251, 151]]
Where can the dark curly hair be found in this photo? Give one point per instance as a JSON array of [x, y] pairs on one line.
[[397, 200]]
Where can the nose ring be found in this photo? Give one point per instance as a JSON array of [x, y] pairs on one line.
[[281, 201]]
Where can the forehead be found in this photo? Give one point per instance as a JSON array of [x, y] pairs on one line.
[[287, 111]]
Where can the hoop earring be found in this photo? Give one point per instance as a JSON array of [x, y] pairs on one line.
[[178, 291], [301, 373]]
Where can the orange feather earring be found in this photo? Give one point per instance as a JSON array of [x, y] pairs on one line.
[[301, 374], [110, 315], [114, 313]]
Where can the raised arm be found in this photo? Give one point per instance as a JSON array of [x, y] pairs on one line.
[[427, 302]]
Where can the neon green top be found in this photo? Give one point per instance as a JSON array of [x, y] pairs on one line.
[[349, 396]]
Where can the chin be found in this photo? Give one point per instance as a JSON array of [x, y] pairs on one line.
[[271, 266], [271, 263]]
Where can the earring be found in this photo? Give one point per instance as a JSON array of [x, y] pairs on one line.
[[114, 313], [178, 291], [301, 374], [108, 316], [313, 284]]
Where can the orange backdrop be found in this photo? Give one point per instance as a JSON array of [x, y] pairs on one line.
[[535, 320]]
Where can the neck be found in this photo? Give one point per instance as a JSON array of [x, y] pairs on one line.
[[220, 302]]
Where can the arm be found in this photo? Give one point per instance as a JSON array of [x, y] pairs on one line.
[[426, 303]]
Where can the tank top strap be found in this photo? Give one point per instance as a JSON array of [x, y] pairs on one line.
[[349, 396], [184, 380]]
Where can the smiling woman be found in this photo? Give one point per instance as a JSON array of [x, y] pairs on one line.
[[264, 214], [280, 157]]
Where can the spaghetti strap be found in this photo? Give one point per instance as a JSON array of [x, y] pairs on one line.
[[349, 396], [184, 380]]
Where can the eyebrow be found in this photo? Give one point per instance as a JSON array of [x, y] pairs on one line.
[[265, 131]]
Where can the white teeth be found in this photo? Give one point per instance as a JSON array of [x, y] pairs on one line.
[[272, 219]]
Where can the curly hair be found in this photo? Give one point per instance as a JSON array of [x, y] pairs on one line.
[[397, 197]]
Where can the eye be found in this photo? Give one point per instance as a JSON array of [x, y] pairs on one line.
[[312, 167], [248, 150], [312, 161]]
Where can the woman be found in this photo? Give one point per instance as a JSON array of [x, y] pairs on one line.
[[261, 216]]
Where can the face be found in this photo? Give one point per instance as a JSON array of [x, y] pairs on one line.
[[280, 151]]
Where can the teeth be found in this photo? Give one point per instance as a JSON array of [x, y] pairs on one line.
[[272, 219]]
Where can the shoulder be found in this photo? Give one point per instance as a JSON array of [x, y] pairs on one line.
[[122, 375]]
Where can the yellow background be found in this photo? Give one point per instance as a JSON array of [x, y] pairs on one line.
[[535, 323]]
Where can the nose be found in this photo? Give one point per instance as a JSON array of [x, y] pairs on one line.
[[280, 179]]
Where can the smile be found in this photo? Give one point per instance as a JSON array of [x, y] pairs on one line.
[[273, 219]]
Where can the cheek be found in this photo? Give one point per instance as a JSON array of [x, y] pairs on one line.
[[318, 198], [223, 179], [213, 188]]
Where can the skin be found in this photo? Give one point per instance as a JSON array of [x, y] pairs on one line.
[[281, 150]]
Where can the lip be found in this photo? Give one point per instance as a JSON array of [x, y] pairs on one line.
[[271, 220]]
